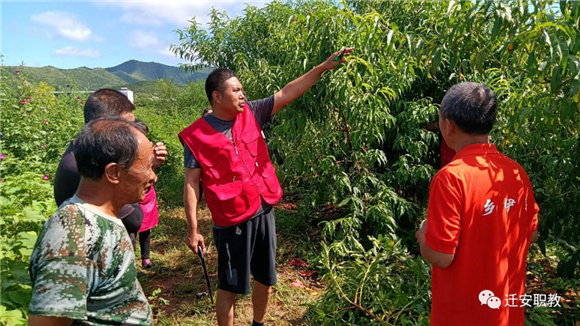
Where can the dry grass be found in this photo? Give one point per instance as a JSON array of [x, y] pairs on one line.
[[177, 275]]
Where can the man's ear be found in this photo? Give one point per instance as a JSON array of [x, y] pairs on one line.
[[452, 127], [113, 172], [447, 127], [216, 96]]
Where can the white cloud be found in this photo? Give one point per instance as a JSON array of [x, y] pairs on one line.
[[65, 24], [177, 12], [167, 52], [143, 40], [71, 51], [150, 43]]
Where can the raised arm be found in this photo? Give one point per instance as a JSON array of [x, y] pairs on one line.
[[190, 200], [300, 85]]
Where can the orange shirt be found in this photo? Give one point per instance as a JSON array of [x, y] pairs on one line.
[[482, 209]]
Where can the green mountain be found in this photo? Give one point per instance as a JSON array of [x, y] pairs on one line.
[[133, 71], [123, 75], [78, 78]]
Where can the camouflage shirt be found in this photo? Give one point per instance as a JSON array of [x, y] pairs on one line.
[[83, 268]]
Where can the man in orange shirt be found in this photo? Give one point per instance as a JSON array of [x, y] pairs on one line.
[[481, 219]]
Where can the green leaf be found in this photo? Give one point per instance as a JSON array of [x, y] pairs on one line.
[[556, 79], [542, 65], [33, 214], [532, 63], [435, 59], [389, 38], [20, 297], [11, 317], [450, 7], [344, 202], [18, 271], [548, 40], [479, 61], [496, 24]]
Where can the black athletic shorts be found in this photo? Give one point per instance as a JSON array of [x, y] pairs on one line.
[[247, 247]]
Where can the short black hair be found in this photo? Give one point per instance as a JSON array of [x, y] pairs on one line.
[[106, 102], [472, 106], [141, 126], [215, 81], [104, 141]]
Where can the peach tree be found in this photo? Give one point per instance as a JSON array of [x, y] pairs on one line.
[[357, 141]]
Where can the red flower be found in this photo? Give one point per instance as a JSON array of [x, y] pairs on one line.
[[17, 72], [23, 102], [46, 177], [306, 273], [28, 99], [43, 145], [298, 262], [46, 122]]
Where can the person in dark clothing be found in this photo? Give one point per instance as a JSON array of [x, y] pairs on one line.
[[100, 104]]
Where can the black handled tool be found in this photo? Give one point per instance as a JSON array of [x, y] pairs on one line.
[[200, 254], [340, 55]]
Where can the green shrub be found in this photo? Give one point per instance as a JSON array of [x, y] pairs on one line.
[[356, 142], [36, 128]]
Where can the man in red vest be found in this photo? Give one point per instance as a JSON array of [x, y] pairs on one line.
[[481, 219], [225, 149]]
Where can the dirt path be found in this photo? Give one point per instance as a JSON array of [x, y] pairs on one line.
[[175, 282]]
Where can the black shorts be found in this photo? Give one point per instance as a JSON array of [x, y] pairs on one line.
[[247, 247]]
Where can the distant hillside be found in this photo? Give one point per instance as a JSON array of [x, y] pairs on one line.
[[79, 78], [122, 75], [134, 71]]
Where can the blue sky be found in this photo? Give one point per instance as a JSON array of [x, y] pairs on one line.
[[70, 34]]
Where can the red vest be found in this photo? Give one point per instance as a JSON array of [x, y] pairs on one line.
[[236, 173]]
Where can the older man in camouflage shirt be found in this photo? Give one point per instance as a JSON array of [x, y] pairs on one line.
[[83, 265]]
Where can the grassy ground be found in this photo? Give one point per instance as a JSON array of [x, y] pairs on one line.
[[174, 283]]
